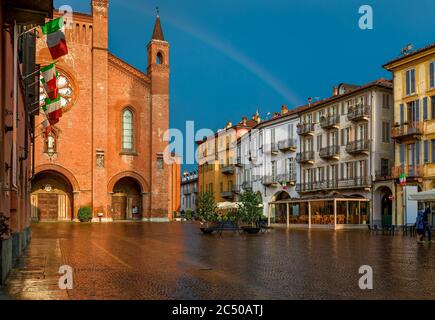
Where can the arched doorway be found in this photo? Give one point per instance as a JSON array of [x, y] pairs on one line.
[[280, 210], [52, 197], [127, 199]]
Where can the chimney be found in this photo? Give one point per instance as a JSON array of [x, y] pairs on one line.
[[335, 91], [244, 120], [284, 109]]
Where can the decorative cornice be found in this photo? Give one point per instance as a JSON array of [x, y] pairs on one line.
[[126, 67]]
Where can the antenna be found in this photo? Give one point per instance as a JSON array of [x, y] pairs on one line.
[[407, 49]]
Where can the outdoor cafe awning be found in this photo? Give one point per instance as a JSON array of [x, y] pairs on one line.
[[423, 196]]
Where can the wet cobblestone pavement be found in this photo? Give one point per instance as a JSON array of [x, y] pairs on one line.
[[175, 261]]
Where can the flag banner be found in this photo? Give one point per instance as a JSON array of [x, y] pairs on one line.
[[47, 127], [49, 80], [54, 30], [53, 110]]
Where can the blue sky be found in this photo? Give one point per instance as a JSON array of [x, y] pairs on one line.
[[230, 57]]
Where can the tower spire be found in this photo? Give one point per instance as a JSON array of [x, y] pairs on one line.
[[158, 32]]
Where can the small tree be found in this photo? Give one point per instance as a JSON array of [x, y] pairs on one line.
[[250, 207], [85, 214], [207, 207]]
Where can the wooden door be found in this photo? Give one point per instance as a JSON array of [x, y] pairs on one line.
[[119, 206], [48, 206]]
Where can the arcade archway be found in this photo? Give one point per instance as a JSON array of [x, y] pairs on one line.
[[52, 197]]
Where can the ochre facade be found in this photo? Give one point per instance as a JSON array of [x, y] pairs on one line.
[[107, 151]]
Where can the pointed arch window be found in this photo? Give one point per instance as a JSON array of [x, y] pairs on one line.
[[127, 130]]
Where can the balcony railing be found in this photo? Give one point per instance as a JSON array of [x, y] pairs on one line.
[[330, 122], [287, 145], [305, 129], [407, 131], [305, 157], [330, 152], [288, 177], [358, 113], [384, 174], [353, 182], [269, 180], [229, 169], [411, 171], [358, 146]]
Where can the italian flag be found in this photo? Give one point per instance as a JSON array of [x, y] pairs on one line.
[[47, 127], [55, 37], [53, 110], [49, 80]]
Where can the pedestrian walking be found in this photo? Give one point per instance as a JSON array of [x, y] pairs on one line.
[[419, 226], [427, 226]]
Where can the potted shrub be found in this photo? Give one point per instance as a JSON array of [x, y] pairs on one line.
[[207, 211], [188, 214], [85, 214], [250, 211]]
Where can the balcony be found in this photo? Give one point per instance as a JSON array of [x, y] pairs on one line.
[[269, 181], [29, 12], [306, 129], [305, 157], [350, 183], [229, 169], [383, 175], [287, 145], [358, 113], [331, 152], [358, 147], [227, 194], [290, 178], [411, 171], [330, 122], [274, 148], [407, 131]]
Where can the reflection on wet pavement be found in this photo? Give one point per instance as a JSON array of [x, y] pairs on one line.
[[175, 261]]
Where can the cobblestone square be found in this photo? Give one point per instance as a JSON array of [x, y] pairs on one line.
[[175, 261]]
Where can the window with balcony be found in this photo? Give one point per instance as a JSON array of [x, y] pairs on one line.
[[410, 82]]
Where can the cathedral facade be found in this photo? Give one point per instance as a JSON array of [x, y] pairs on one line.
[[107, 150]]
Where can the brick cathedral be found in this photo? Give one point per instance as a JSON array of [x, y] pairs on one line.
[[107, 150]]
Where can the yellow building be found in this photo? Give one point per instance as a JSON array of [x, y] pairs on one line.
[[414, 127], [217, 160]]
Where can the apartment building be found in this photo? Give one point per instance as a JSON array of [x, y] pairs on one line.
[[217, 159], [346, 152], [414, 128], [268, 159], [189, 191]]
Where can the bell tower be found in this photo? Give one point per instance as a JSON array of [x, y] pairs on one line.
[[158, 73]]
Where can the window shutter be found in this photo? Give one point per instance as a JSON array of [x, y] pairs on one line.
[[417, 110], [417, 152], [426, 151], [402, 113], [402, 154], [425, 108], [432, 74]]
